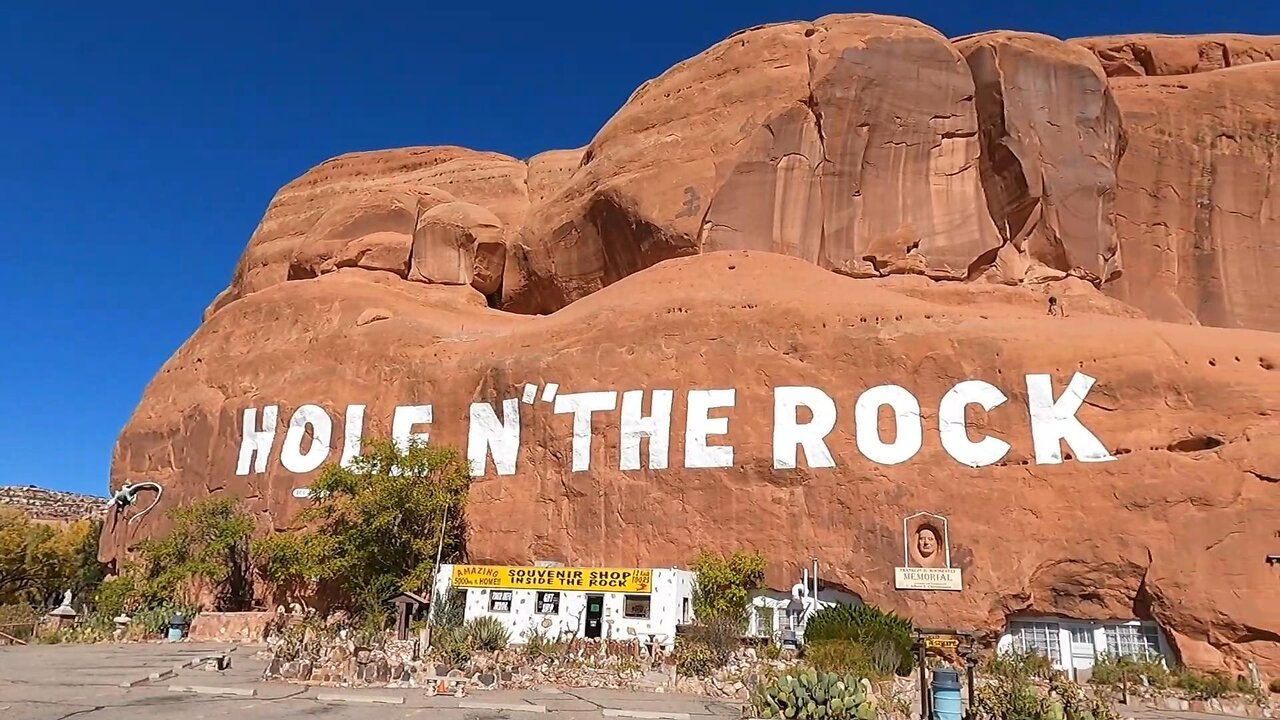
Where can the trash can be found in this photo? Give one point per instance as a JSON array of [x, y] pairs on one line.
[[177, 628], [946, 695]]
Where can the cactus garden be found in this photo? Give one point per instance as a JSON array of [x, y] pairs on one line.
[[811, 695]]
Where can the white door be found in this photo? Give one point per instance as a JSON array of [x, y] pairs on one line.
[[1082, 651]]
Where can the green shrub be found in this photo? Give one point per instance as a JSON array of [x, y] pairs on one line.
[[451, 609], [487, 633], [1017, 695], [885, 637], [538, 645], [1115, 671], [693, 658], [1012, 698], [725, 584], [451, 645], [1019, 665], [372, 525], [1206, 686], [848, 657], [117, 595], [1076, 703], [811, 695]]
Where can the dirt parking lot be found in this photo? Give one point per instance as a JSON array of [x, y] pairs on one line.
[[155, 682]]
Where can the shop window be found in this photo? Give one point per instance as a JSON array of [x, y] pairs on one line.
[[1132, 640], [500, 601], [635, 606], [1036, 637], [548, 603]]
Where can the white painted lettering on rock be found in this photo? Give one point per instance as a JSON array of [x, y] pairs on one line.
[[487, 434], [656, 426], [789, 433], [699, 425], [402, 422], [1053, 421], [292, 456], [908, 427], [255, 444], [804, 418], [582, 405], [953, 429], [351, 434]]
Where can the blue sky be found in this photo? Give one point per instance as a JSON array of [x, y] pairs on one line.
[[141, 143]]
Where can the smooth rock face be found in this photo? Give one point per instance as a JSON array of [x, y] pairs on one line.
[[850, 142], [1198, 207], [847, 203], [1051, 141]]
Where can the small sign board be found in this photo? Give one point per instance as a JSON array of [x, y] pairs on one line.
[[941, 642], [302, 492], [910, 578]]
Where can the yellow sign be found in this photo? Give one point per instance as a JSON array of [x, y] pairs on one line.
[[942, 643], [629, 580]]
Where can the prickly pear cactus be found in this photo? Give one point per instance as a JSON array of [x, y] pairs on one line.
[[811, 695]]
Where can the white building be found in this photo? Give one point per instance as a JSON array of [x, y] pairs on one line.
[[784, 615], [559, 602], [1074, 645]]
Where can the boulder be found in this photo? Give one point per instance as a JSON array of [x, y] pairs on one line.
[[371, 200], [1051, 141], [850, 142], [459, 243]]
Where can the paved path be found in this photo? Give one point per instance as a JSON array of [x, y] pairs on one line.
[[143, 682]]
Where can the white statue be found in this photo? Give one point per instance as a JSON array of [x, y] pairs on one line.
[[66, 599]]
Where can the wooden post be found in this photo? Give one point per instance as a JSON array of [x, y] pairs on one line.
[[924, 682], [402, 621]]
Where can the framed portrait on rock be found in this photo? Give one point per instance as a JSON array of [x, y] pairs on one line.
[[926, 555]]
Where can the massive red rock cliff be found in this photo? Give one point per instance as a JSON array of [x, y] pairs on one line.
[[623, 333]]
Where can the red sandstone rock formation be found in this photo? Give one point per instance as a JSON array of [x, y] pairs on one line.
[[1198, 208], [931, 196], [1137, 55]]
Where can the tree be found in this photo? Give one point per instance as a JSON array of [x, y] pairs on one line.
[[38, 561], [207, 549], [374, 525], [725, 585]]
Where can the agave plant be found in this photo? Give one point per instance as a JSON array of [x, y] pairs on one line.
[[487, 633], [811, 695]]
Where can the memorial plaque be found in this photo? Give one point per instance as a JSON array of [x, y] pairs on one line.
[[926, 555]]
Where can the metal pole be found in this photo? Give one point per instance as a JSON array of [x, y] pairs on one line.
[[435, 569], [440, 544], [970, 662]]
